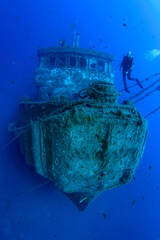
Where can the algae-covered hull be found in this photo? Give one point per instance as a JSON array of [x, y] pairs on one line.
[[85, 146]]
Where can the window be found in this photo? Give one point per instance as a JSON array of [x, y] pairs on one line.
[[92, 63], [51, 61], [42, 62], [106, 67], [62, 61], [82, 63], [72, 62], [100, 65]]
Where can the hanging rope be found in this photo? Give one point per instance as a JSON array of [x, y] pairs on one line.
[[146, 95], [155, 110], [146, 79], [22, 130], [91, 90], [11, 127], [27, 191], [141, 92], [116, 67]]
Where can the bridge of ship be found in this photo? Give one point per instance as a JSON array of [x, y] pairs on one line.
[[75, 58]]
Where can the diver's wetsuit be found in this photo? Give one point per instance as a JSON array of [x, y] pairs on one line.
[[127, 64]]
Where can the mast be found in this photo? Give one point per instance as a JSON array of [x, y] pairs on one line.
[[76, 36]]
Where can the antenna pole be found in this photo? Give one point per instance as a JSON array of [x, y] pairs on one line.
[[75, 33]]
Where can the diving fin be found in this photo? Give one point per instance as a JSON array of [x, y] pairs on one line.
[[139, 83]]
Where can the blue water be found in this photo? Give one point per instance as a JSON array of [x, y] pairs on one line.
[[44, 212]]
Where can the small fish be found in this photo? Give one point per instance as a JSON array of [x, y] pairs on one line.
[[143, 198], [12, 82], [104, 215], [72, 25], [133, 202], [18, 16], [83, 199], [124, 25], [105, 47], [100, 39], [150, 167]]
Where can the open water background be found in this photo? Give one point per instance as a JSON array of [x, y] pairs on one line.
[[45, 213]]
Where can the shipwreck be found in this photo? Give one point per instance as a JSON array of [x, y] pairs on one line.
[[75, 133]]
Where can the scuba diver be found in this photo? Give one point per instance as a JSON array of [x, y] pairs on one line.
[[127, 64]]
